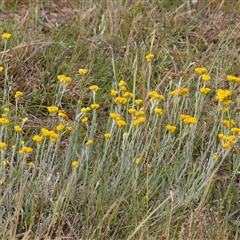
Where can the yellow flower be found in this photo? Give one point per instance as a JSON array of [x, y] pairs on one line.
[[31, 164], [4, 115], [18, 94], [188, 119], [64, 79], [107, 135], [158, 111], [4, 121], [121, 123], [137, 161], [123, 88], [227, 102], [45, 132], [228, 123], [85, 110], [54, 136], [60, 127], [149, 57], [89, 142], [132, 110], [183, 91], [3, 146], [17, 128], [120, 100], [125, 134], [223, 95], [139, 113], [200, 70], [83, 71], [94, 88], [206, 78], [235, 130], [231, 78], [138, 122], [225, 145], [25, 150], [75, 164], [68, 80], [128, 95], [37, 138], [13, 146], [25, 119], [62, 114], [115, 116], [69, 128], [171, 128], [1, 68], [215, 157], [138, 101], [6, 110], [6, 35], [94, 106], [205, 90], [84, 119], [4, 162], [156, 95], [113, 93], [52, 109], [122, 83]]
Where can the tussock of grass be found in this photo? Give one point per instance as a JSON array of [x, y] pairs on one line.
[[158, 171]]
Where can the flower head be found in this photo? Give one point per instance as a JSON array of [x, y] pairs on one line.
[[158, 111], [37, 138], [200, 70], [60, 127], [113, 93], [205, 90], [137, 161], [3, 146], [149, 57], [89, 142], [83, 71], [25, 150], [206, 78], [121, 123], [6, 35], [1, 68], [18, 94], [75, 164], [171, 128], [107, 135], [17, 128], [94, 88], [94, 106], [52, 109]]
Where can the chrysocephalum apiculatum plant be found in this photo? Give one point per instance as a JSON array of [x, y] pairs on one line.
[[142, 152]]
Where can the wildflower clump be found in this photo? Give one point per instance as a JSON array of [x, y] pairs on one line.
[[227, 141], [234, 79], [25, 150]]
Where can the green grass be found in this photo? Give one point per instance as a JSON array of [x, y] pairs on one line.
[[177, 190]]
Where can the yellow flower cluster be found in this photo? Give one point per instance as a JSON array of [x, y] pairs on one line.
[[122, 84], [236, 130], [200, 70], [107, 135], [205, 90], [85, 110], [94, 106], [188, 119], [228, 123], [89, 142], [18, 94], [181, 92], [121, 123], [139, 121], [3, 146], [64, 79], [227, 141], [149, 57], [231, 78], [25, 150], [17, 128], [120, 100], [223, 96], [75, 164], [158, 111], [171, 128], [83, 71], [62, 114], [52, 109], [206, 78], [37, 138], [6, 35], [155, 96], [1, 68], [94, 88], [53, 135], [113, 93], [4, 121]]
